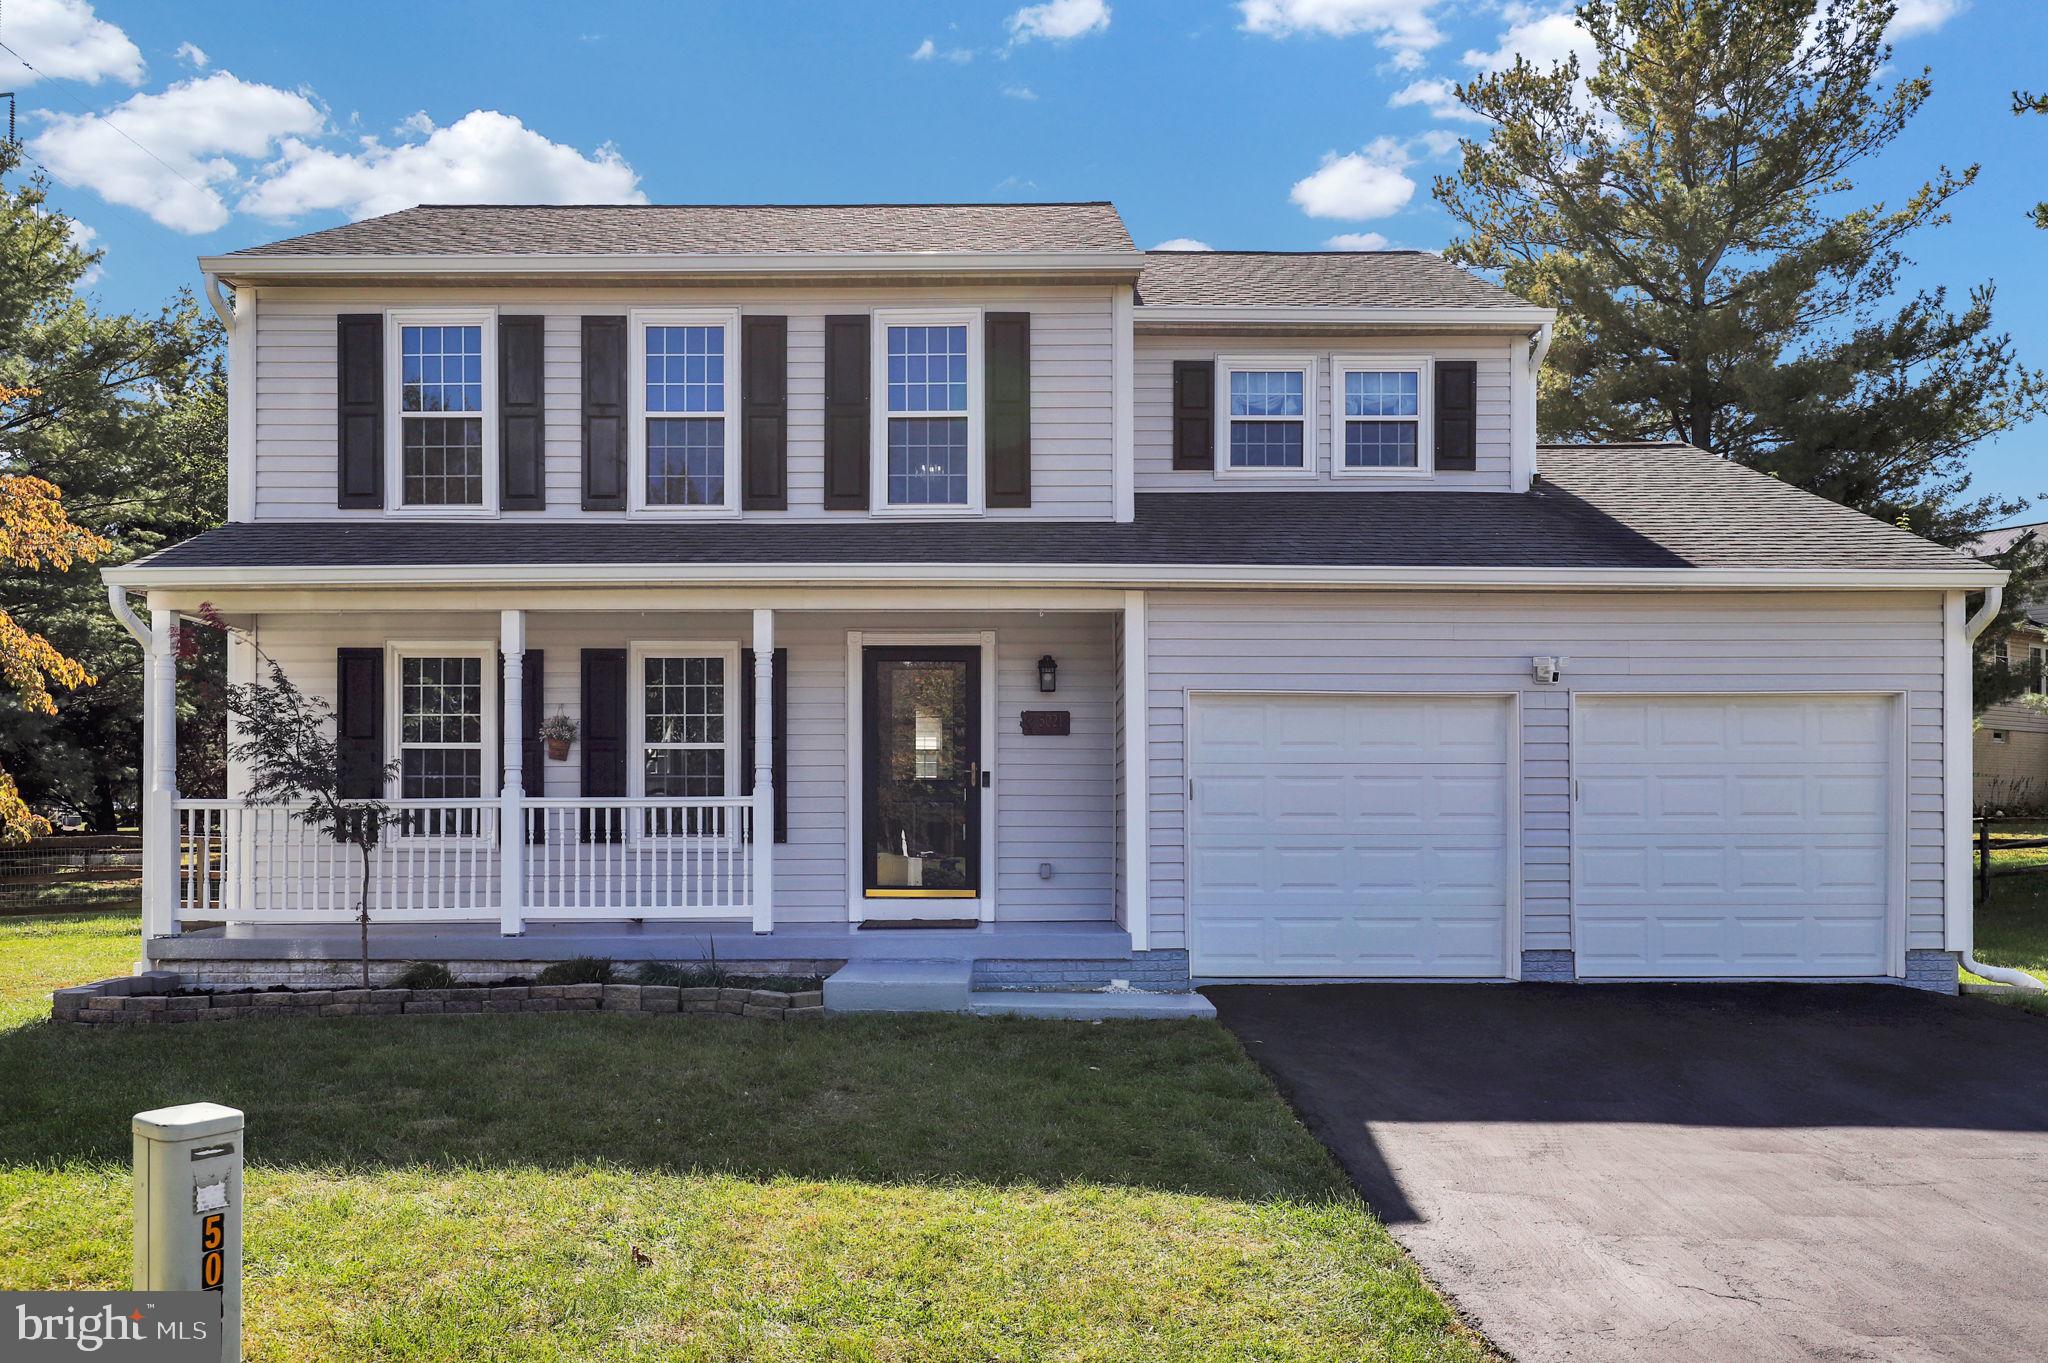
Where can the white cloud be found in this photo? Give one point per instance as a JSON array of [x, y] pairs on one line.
[[483, 157], [926, 50], [197, 127], [1015, 184], [1436, 95], [1915, 17], [1403, 27], [1183, 244], [1367, 183], [65, 39], [1059, 20], [83, 238], [1544, 37], [193, 55], [1357, 241], [1023, 92]]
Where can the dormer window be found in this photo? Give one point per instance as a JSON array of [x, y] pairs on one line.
[[443, 451], [685, 441], [928, 413], [1381, 416], [1265, 430]]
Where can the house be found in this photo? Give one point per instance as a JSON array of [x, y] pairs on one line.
[[2012, 736], [958, 582]]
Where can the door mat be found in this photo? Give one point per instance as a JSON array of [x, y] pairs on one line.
[[894, 923]]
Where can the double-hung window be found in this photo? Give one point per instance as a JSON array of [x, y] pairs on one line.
[[685, 709], [444, 701], [928, 440], [443, 448], [1380, 411], [1265, 429], [2037, 670], [685, 430]]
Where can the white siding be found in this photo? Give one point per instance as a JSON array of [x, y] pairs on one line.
[[1055, 797], [1482, 642], [1072, 390], [1154, 410]]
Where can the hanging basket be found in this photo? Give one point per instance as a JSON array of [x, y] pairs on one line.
[[558, 749]]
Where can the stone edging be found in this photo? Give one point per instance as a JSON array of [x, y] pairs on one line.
[[148, 999]]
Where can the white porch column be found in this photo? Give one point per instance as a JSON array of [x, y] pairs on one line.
[[512, 789], [763, 758], [1137, 778], [160, 850]]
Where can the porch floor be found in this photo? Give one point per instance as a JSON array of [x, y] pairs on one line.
[[626, 940]]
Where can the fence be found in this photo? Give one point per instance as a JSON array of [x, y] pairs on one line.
[[72, 871]]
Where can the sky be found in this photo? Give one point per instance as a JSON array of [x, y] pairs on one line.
[[172, 131]]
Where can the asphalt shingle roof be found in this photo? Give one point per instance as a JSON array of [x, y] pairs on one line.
[[1631, 506], [1313, 279], [717, 229]]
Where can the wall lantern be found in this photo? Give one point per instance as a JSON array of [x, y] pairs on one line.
[[1048, 675]]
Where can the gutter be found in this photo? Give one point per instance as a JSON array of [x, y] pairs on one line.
[[819, 263], [1187, 314], [2018, 979]]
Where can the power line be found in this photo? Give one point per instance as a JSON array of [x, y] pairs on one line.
[[94, 113]]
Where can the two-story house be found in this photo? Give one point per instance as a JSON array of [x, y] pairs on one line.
[[960, 582]]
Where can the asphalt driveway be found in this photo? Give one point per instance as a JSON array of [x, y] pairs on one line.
[[1716, 1173]]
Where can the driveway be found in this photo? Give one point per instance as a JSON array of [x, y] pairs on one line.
[[1676, 1173]]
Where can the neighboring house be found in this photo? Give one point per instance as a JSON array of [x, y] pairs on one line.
[[2012, 737], [1153, 615]]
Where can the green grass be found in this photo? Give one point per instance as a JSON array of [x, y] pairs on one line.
[[49, 951], [915, 1188], [2012, 928]]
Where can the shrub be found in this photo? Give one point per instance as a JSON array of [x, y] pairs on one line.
[[578, 970], [424, 975], [712, 975]]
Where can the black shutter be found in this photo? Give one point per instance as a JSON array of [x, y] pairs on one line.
[[359, 391], [533, 695], [521, 356], [778, 734], [764, 413], [846, 413], [359, 721], [604, 738], [1457, 416], [1194, 415], [1006, 363], [604, 414]]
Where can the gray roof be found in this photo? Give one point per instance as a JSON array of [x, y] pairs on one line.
[[1715, 513], [1999, 540], [1314, 279], [1630, 506], [717, 229]]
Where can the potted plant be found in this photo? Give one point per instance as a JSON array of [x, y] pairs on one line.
[[558, 731]]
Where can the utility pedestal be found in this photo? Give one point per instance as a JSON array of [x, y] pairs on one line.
[[188, 1208]]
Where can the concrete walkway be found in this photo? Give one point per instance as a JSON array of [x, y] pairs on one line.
[[1708, 1173]]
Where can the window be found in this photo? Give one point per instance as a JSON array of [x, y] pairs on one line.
[[928, 413], [444, 700], [444, 448], [2000, 736], [2037, 670], [685, 716], [1265, 430], [1381, 412], [685, 437]]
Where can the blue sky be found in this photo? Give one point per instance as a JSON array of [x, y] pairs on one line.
[[1237, 123]]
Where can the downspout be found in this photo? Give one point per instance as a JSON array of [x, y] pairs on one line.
[[1994, 597], [221, 308], [1539, 346], [117, 601]]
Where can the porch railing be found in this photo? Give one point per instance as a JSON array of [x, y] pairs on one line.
[[444, 860]]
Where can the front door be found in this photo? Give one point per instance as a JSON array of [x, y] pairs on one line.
[[922, 778]]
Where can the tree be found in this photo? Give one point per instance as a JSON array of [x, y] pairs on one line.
[[129, 416], [291, 760], [1688, 205], [2026, 102]]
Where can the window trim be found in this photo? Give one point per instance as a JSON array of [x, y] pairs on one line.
[[1425, 443], [637, 322], [2037, 665], [637, 656], [1309, 366], [878, 407], [396, 320], [395, 653]]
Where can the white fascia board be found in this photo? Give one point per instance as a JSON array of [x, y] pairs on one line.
[[823, 262], [1124, 576], [1528, 316]]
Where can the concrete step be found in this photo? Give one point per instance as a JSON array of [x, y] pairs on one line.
[[899, 987], [1087, 1006]]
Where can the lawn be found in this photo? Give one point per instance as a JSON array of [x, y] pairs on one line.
[[925, 1188], [2012, 927], [48, 951]]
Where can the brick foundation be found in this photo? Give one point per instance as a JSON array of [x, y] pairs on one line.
[[1934, 971], [1153, 972], [1549, 967]]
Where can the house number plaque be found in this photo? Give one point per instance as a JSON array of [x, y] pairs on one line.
[[1048, 723]]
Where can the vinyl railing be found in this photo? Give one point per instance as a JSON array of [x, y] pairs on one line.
[[442, 860]]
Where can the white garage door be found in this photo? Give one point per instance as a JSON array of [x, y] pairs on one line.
[[1725, 836], [1337, 837]]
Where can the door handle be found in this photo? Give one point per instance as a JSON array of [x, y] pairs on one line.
[[976, 776]]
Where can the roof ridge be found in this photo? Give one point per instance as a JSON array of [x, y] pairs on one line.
[[865, 203], [1256, 251]]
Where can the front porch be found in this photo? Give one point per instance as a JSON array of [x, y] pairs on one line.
[[531, 864]]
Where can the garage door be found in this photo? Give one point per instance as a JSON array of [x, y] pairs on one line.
[[1727, 836], [1340, 837]]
